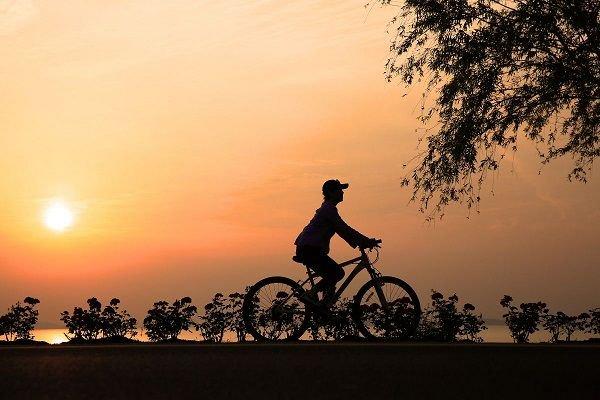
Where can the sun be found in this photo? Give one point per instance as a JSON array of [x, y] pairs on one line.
[[58, 216]]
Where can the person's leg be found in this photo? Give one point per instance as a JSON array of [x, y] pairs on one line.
[[324, 266], [331, 274]]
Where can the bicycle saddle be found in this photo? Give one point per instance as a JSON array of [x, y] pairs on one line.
[[300, 260]]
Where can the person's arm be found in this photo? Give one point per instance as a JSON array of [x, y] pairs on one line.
[[350, 235]]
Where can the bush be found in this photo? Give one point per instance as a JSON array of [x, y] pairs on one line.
[[472, 325], [593, 324], [447, 315], [234, 309], [84, 324], [442, 321], [427, 329], [117, 323], [215, 320], [166, 321], [315, 327], [522, 321], [553, 324], [573, 323], [561, 323], [20, 320], [94, 322], [336, 325], [340, 324]]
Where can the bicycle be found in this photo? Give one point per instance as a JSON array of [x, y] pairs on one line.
[[278, 309]]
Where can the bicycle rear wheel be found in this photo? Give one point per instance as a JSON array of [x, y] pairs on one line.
[[273, 312], [398, 320]]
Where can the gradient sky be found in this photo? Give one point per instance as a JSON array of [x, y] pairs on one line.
[[192, 138]]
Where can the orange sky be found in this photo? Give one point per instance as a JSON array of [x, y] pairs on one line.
[[192, 138]]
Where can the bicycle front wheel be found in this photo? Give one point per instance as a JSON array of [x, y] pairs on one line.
[[397, 319], [273, 312]]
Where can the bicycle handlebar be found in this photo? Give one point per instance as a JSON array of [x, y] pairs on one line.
[[376, 244]]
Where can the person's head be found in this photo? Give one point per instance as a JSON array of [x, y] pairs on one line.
[[333, 190]]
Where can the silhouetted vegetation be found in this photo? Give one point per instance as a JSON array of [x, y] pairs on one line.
[[84, 324], [593, 324], [562, 324], [234, 309], [498, 69], [443, 321], [553, 324], [166, 321], [20, 320], [216, 319], [117, 323], [95, 322], [524, 320], [223, 314], [472, 324], [337, 325]]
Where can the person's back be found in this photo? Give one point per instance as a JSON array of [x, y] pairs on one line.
[[312, 244], [321, 228]]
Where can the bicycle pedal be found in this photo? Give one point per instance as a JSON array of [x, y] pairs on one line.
[[322, 311], [314, 301]]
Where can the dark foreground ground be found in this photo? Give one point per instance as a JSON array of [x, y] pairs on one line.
[[301, 371]]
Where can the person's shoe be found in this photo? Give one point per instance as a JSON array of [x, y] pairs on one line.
[[328, 297], [310, 297]]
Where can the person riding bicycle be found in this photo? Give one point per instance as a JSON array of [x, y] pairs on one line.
[[312, 245]]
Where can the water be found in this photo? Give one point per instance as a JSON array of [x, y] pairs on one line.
[[55, 336]]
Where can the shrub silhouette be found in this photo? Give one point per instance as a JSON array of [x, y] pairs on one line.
[[447, 315], [574, 323], [117, 323], [553, 324], [234, 310], [216, 319], [561, 323], [84, 324], [524, 320], [472, 324], [593, 324], [315, 328], [166, 321], [337, 325], [442, 321], [94, 322], [20, 320], [340, 325]]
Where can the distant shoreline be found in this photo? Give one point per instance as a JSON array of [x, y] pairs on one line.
[[494, 334]]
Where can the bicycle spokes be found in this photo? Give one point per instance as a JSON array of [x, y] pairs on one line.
[[277, 312], [393, 319]]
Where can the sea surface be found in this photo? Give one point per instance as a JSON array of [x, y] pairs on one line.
[[494, 334]]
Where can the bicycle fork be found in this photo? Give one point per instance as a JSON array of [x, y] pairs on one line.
[[377, 284]]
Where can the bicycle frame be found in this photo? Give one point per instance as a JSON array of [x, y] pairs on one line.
[[363, 263]]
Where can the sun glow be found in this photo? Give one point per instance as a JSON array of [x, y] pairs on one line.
[[58, 216]]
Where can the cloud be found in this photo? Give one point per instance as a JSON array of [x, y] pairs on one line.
[[16, 14]]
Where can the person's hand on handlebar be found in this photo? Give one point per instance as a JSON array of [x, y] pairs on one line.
[[370, 243]]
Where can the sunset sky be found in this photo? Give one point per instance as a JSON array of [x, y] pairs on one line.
[[190, 139]]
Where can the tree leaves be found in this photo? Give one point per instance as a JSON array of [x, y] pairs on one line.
[[499, 70]]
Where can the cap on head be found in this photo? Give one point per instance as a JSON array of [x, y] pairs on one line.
[[333, 184]]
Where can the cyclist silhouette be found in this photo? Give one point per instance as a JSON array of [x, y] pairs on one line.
[[312, 245], [279, 308]]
